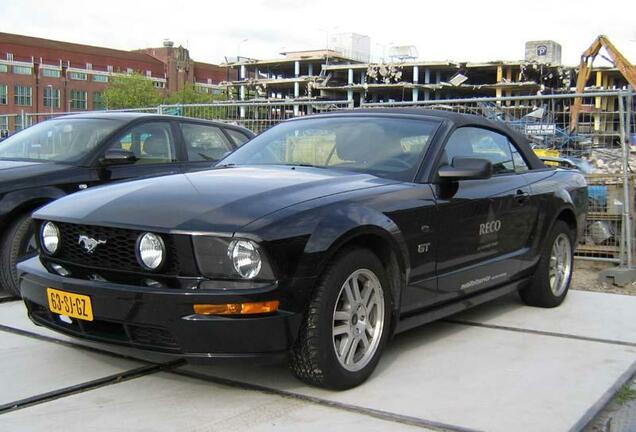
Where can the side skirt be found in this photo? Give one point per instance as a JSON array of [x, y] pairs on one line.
[[440, 311]]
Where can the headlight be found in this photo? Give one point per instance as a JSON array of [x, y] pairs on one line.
[[245, 258], [50, 238], [150, 251]]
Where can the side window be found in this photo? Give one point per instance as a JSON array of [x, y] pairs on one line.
[[150, 142], [238, 137], [520, 163], [204, 143], [474, 142]]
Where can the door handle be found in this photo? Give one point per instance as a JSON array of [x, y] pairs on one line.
[[521, 196]]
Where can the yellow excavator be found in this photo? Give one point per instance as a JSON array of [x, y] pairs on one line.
[[585, 69]]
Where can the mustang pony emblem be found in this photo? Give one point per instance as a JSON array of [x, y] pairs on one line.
[[89, 244]]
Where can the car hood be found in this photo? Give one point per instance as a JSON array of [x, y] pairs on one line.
[[217, 200]]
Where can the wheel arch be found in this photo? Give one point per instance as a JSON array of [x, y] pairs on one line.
[[20, 202], [386, 247]]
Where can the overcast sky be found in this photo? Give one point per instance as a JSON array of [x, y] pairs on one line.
[[454, 29]]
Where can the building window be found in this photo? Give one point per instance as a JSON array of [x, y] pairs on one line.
[[51, 73], [22, 70], [89, 66], [159, 84], [81, 76], [51, 97], [129, 71], [109, 68], [78, 100], [3, 94], [28, 121], [23, 95], [4, 124], [3, 68], [9, 56], [98, 101], [100, 78]]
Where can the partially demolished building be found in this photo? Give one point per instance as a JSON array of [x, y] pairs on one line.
[[327, 74]]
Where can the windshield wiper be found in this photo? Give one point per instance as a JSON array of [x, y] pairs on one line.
[[302, 165], [226, 165]]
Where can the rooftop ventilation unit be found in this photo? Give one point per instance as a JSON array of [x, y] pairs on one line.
[[403, 53]]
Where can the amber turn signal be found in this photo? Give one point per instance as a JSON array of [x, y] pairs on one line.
[[237, 308]]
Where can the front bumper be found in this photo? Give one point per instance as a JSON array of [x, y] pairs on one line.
[[162, 319]]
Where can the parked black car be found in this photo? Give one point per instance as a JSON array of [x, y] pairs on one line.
[[60, 156], [319, 238]]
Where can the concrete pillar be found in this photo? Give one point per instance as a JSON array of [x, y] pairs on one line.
[[296, 68], [438, 77], [296, 95], [416, 74], [242, 73], [350, 91], [427, 94], [310, 70], [427, 76]]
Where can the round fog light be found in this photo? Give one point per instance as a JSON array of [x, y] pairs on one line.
[[50, 238], [246, 258], [150, 251]]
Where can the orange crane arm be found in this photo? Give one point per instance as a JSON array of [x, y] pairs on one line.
[[585, 69]]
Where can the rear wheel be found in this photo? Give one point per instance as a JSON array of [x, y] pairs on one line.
[[554, 272], [18, 243], [346, 325]]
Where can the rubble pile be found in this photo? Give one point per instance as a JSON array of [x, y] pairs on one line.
[[610, 161], [384, 73]]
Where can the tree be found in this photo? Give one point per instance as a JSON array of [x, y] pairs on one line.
[[131, 91], [189, 94]]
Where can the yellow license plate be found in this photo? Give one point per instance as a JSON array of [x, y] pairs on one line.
[[70, 304]]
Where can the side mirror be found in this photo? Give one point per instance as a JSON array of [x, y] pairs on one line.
[[118, 157], [466, 169]]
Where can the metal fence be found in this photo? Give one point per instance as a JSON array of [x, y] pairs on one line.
[[256, 116], [600, 145]]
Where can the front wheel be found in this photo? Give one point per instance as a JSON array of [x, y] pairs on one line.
[[18, 244], [346, 324], [554, 272]]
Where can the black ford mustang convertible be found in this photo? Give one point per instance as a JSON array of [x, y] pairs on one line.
[[320, 238]]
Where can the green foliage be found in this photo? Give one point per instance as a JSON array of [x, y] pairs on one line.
[[131, 91], [190, 95], [626, 394]]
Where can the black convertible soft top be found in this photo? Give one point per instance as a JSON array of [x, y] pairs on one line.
[[457, 120]]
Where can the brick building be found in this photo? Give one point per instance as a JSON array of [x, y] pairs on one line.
[[45, 76]]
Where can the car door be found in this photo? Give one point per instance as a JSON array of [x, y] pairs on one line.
[[155, 147], [204, 145], [484, 224]]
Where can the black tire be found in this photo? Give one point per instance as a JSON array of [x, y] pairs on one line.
[[313, 358], [540, 293], [15, 245]]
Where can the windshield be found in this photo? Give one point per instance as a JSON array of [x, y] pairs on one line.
[[59, 140], [382, 146]]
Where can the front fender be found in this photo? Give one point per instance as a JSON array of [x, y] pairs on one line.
[[27, 198], [344, 225]]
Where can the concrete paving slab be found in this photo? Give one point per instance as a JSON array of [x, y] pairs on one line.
[[168, 402], [476, 378], [583, 313], [31, 367]]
